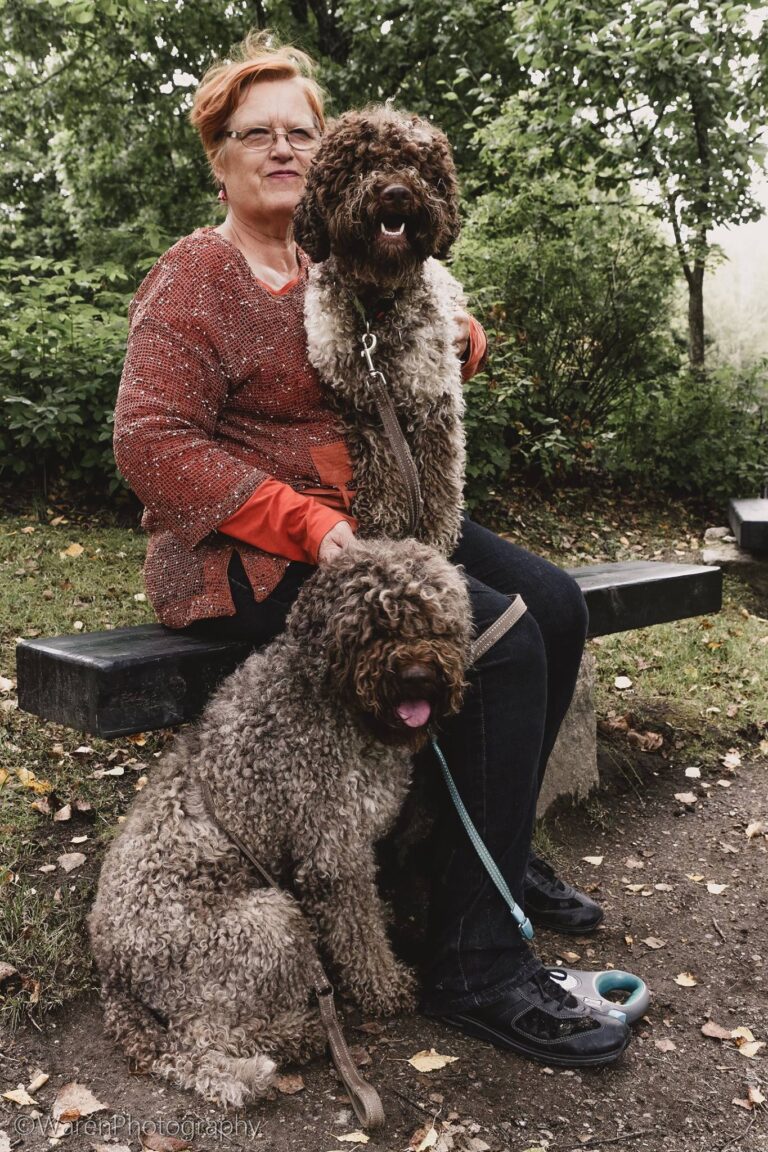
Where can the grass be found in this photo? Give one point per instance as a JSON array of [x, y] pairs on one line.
[[703, 683]]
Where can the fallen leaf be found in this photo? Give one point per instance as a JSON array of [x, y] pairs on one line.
[[731, 760], [756, 828], [631, 862], [622, 683], [716, 1031], [728, 848], [430, 1061], [289, 1085], [422, 1139], [6, 685], [42, 805], [751, 1048], [5, 1141], [645, 741], [111, 1148], [78, 840], [29, 780], [686, 980], [635, 887], [19, 1096], [716, 889], [38, 1080], [686, 797], [742, 1035], [663, 887], [71, 860], [594, 860], [725, 783], [755, 1095], [141, 783], [742, 1103], [83, 750], [666, 1045], [354, 1138], [695, 876], [694, 772], [154, 1142], [140, 596], [139, 738], [64, 813], [654, 942], [57, 520], [72, 550], [99, 773], [74, 1100], [569, 957], [47, 868]]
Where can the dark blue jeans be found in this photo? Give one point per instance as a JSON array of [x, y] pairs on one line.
[[497, 748]]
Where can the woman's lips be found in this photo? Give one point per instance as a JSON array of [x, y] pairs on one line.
[[283, 175]]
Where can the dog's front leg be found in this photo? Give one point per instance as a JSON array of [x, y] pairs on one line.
[[350, 920]]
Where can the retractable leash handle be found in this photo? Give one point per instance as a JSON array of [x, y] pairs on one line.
[[593, 989]]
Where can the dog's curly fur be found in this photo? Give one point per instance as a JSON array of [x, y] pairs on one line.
[[411, 300], [204, 968]]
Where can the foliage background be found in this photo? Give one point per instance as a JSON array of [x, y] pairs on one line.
[[554, 110]]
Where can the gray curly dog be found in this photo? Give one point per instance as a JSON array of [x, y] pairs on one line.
[[306, 749]]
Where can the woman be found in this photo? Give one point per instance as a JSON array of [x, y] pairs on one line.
[[224, 433]]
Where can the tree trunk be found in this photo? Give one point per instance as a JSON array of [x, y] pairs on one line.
[[696, 316]]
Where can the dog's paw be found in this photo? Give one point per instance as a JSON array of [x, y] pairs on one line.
[[391, 993]]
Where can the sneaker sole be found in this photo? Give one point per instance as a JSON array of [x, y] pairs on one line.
[[502, 1040], [540, 921]]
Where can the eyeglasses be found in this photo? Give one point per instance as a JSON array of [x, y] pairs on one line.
[[259, 139]]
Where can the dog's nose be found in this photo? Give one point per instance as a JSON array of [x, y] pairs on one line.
[[396, 198], [417, 676]]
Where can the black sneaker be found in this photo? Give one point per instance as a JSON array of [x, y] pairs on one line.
[[551, 903], [543, 1022]]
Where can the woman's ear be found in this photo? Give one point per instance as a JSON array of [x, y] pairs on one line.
[[309, 228]]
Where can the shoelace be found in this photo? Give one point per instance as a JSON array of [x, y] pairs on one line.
[[551, 990]]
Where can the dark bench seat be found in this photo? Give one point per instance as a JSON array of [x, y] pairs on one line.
[[749, 523], [136, 679]]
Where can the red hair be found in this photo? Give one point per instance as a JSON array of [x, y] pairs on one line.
[[224, 85]]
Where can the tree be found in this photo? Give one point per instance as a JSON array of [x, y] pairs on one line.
[[97, 151], [669, 95]]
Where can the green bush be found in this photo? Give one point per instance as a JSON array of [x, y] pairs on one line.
[[699, 434], [62, 345], [576, 286]]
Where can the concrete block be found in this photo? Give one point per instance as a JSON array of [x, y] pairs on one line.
[[572, 769]]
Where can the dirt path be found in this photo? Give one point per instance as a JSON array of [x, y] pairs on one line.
[[673, 1091]]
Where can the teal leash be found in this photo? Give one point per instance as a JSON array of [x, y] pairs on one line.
[[522, 921]]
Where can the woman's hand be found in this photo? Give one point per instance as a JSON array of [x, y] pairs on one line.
[[334, 542], [461, 338]]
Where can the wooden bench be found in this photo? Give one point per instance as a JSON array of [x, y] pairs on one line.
[[135, 679]]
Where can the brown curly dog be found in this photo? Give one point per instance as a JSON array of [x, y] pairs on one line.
[[306, 749], [380, 209]]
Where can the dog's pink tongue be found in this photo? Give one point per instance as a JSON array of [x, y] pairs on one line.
[[414, 713]]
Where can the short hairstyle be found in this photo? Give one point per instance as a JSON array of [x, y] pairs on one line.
[[259, 57]]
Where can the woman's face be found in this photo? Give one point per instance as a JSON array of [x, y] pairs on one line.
[[265, 186]]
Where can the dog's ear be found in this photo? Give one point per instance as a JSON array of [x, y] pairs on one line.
[[449, 233], [309, 228]]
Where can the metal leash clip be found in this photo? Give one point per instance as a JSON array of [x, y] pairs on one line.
[[369, 343]]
